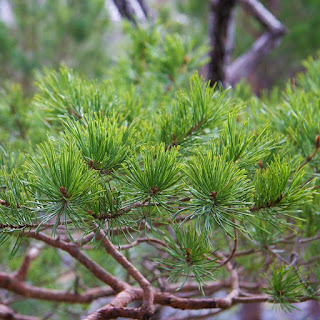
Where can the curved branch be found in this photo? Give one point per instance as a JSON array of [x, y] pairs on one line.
[[263, 45], [233, 250], [11, 283], [126, 10], [142, 240], [148, 295], [117, 305], [316, 149], [31, 254], [116, 284]]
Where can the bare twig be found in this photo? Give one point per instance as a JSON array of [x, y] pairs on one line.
[[31, 254], [316, 149], [143, 240], [144, 7], [233, 250]]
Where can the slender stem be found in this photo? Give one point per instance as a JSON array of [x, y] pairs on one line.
[[142, 240], [316, 149], [31, 254], [233, 250], [306, 240]]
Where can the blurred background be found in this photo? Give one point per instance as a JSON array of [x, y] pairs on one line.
[[88, 35]]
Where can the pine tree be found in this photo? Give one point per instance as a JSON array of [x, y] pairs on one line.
[[156, 188]]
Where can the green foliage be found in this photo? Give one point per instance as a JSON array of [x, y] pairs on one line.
[[157, 61], [241, 146], [189, 252], [15, 215], [285, 286], [310, 80], [274, 193], [220, 191], [62, 185], [156, 180], [104, 145], [173, 55], [64, 93], [155, 151], [193, 114], [17, 118]]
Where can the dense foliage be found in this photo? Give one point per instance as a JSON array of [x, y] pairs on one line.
[[152, 188]]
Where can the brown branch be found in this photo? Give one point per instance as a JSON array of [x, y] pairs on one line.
[[31, 254], [116, 284], [316, 149], [11, 283], [126, 209], [245, 252], [233, 250], [230, 39], [197, 317], [263, 15], [211, 287], [219, 20], [125, 10], [114, 313], [118, 304], [306, 240], [142, 240], [276, 255], [163, 298], [8, 314], [234, 283], [144, 7], [148, 294]]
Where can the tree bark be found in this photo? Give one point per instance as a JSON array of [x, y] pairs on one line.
[[125, 10], [220, 68], [219, 21]]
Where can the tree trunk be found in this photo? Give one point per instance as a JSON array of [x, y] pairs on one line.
[[219, 21]]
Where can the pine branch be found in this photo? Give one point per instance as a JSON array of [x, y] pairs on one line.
[[233, 250], [143, 240], [116, 284], [148, 294], [32, 253], [316, 149], [11, 283]]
